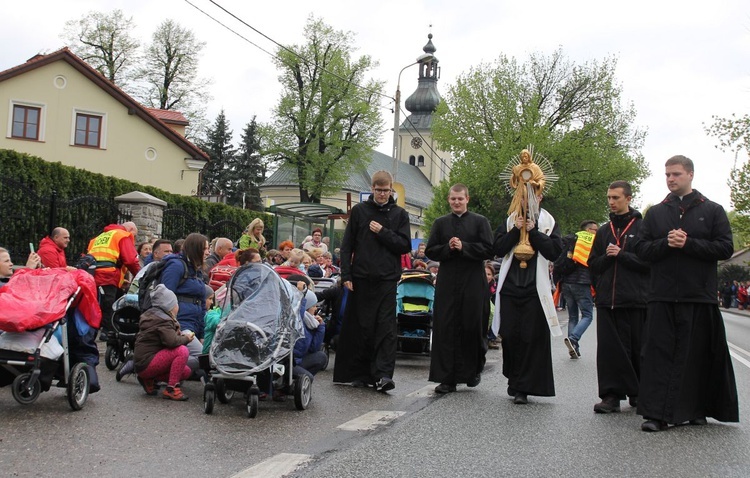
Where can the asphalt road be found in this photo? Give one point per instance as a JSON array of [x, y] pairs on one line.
[[474, 432]]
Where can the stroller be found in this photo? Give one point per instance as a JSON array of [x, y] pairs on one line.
[[35, 306], [252, 349], [121, 343], [415, 294]]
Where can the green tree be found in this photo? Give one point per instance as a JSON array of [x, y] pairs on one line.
[[246, 171], [734, 136], [170, 73], [325, 124], [103, 41], [572, 114], [218, 145]]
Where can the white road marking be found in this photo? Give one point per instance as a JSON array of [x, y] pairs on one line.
[[426, 391], [371, 420], [739, 358], [276, 466], [738, 349]]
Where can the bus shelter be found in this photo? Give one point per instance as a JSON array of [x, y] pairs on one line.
[[295, 221]]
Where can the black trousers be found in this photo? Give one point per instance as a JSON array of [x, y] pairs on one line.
[[107, 297]]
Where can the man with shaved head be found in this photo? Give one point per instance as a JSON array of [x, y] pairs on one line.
[[52, 249]]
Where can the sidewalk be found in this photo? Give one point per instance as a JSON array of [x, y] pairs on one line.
[[735, 311]]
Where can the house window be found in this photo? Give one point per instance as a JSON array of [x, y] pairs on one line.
[[420, 161], [88, 130], [26, 122], [412, 160]]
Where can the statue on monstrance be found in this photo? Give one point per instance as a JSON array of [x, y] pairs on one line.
[[527, 176]]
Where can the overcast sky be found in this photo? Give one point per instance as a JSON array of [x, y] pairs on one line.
[[678, 62]]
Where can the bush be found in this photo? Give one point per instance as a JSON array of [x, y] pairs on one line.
[[68, 182]]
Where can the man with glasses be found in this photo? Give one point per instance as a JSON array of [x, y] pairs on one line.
[[376, 236]]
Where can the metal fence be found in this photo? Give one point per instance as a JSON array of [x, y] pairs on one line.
[[25, 218], [178, 223]]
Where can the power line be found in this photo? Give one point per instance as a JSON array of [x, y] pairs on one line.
[[442, 166], [227, 27], [427, 143], [300, 57]]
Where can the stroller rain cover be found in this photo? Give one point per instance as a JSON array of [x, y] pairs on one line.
[[260, 321]]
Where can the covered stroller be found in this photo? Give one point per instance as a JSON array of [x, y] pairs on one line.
[[33, 306], [415, 295], [252, 349]]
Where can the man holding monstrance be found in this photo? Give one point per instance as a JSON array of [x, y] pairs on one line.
[[525, 314]]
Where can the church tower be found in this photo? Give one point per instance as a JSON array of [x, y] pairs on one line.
[[416, 145]]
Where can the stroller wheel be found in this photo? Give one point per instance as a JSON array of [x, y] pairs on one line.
[[78, 386], [111, 357], [302, 391], [208, 400], [25, 389], [252, 402], [222, 393]]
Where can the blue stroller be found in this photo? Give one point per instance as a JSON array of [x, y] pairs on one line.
[[415, 295]]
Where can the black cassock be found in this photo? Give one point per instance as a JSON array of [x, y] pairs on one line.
[[462, 300], [527, 358]]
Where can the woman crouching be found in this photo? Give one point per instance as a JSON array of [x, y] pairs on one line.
[[160, 352]]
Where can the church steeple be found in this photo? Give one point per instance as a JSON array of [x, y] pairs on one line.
[[424, 101]]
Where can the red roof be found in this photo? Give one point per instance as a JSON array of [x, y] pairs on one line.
[[169, 116], [134, 107]]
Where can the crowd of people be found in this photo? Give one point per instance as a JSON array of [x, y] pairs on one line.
[[661, 342]]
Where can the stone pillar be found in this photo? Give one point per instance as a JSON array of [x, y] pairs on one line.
[[147, 213]]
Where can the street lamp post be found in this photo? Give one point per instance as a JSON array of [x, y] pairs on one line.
[[397, 115]]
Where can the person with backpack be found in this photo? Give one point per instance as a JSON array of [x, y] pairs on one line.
[[183, 275], [576, 284]]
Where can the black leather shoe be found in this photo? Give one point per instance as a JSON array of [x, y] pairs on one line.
[[699, 421], [520, 399], [633, 401], [653, 426], [607, 405], [444, 388], [474, 381]]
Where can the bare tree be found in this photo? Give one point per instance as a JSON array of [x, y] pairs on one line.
[[103, 41]]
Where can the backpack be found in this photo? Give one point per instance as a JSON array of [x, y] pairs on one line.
[[220, 275], [86, 262], [152, 278]]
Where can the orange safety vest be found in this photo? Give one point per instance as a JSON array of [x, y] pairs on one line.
[[106, 248], [583, 247]]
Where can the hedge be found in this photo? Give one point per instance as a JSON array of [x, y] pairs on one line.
[[69, 182]]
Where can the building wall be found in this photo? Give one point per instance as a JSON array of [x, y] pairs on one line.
[[127, 140], [433, 168]]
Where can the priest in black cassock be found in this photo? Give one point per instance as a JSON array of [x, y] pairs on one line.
[[460, 241]]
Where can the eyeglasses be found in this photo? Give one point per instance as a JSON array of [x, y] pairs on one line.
[[381, 191]]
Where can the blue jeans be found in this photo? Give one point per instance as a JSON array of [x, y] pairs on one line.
[[578, 297]]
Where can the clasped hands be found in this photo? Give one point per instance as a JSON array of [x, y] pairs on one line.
[[455, 244], [676, 238]]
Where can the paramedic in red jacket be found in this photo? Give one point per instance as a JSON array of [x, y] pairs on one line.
[[114, 251]]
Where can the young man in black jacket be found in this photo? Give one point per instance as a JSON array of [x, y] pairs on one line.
[[376, 236], [621, 287], [686, 370]]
